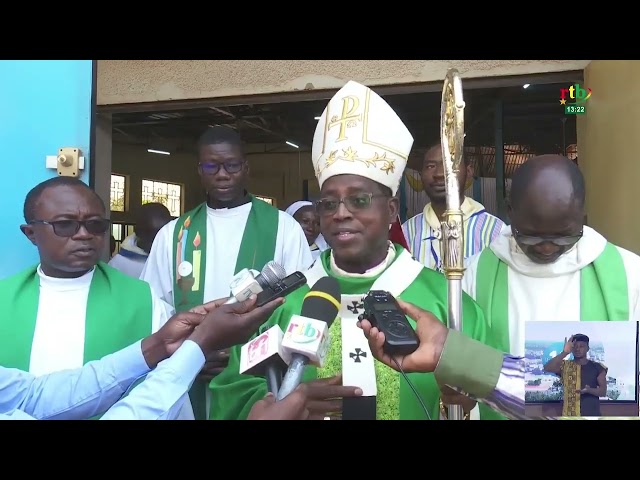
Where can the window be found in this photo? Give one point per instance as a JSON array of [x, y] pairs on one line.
[[169, 194], [269, 200], [118, 194]]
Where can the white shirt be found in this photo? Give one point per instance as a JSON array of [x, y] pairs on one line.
[[58, 340], [88, 391]]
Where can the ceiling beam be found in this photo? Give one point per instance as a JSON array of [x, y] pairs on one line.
[[309, 95]]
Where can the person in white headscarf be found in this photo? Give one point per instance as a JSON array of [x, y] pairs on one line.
[[304, 213]]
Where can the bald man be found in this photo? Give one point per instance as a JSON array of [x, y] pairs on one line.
[[549, 266], [134, 251]]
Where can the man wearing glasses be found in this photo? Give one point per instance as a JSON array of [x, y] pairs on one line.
[[70, 308], [194, 258], [359, 153], [549, 265]]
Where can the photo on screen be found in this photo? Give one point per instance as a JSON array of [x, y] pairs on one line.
[[611, 344]]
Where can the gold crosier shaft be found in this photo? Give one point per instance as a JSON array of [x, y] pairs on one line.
[[452, 238]]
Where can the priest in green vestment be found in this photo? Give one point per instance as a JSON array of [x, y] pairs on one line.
[[70, 308], [549, 266], [359, 153], [194, 257]]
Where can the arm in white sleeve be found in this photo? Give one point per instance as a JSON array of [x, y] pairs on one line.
[[158, 269], [89, 391], [71, 394], [163, 392]]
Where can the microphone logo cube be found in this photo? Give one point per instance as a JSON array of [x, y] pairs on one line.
[[244, 284], [261, 348], [308, 337]]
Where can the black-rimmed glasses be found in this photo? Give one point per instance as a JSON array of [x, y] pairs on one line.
[[211, 168]]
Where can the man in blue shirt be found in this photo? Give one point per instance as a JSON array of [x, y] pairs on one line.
[[171, 358]]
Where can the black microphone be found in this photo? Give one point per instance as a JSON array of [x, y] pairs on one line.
[[307, 337], [245, 283]]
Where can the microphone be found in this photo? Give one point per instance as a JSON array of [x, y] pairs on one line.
[[265, 357], [245, 283], [307, 336]]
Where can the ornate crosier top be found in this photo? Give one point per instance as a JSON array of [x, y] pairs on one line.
[[452, 137], [452, 132]]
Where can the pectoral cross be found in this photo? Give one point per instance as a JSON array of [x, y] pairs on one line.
[[349, 118], [357, 354], [355, 306]]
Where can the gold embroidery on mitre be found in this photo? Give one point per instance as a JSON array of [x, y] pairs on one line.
[[348, 119], [350, 155], [360, 134]]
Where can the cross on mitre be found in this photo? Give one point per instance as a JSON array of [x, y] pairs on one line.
[[360, 134]]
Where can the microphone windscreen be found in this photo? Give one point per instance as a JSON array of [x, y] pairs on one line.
[[273, 272], [323, 300]]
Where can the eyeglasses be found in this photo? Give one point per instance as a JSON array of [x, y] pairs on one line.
[[354, 203], [213, 168], [560, 241], [68, 228]]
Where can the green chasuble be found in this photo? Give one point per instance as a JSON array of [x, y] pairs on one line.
[[604, 296], [190, 257], [119, 313], [406, 279]]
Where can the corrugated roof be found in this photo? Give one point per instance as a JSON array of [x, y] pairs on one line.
[[484, 159]]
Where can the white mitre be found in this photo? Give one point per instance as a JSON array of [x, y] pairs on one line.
[[359, 134]]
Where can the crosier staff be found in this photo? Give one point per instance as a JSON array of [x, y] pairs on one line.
[[452, 243]]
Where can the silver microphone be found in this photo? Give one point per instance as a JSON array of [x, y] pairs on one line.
[[245, 283]]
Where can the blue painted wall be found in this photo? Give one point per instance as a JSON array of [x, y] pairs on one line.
[[44, 105]]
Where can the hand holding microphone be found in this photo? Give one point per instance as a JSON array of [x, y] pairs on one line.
[[319, 310], [244, 284], [325, 397], [264, 355], [217, 360], [227, 325], [294, 407], [222, 326], [307, 335]]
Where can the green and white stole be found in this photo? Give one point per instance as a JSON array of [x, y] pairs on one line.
[[119, 313], [604, 295], [190, 257], [190, 249], [349, 353]]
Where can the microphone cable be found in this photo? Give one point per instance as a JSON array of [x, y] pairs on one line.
[[413, 388]]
